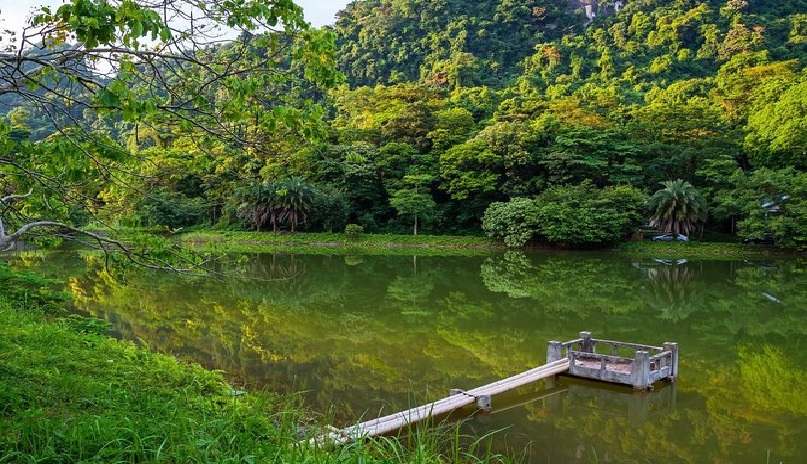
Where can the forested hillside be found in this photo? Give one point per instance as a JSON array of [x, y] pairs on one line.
[[536, 105], [551, 121], [447, 41]]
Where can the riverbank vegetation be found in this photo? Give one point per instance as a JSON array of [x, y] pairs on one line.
[[708, 250], [71, 393], [218, 242]]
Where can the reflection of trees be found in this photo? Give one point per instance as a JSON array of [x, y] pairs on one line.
[[674, 290], [508, 274], [334, 328], [718, 301], [738, 304], [412, 294], [579, 285], [287, 280], [277, 267], [779, 289], [771, 382], [477, 328]]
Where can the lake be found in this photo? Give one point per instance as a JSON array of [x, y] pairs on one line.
[[363, 334]]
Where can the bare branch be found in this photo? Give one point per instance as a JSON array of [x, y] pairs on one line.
[[118, 246], [7, 200], [16, 197]]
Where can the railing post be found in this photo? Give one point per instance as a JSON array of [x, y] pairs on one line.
[[587, 345], [640, 374], [554, 352], [673, 348]]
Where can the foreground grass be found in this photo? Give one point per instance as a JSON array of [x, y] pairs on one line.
[[68, 393]]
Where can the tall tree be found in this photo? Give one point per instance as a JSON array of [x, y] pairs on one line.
[[414, 201], [773, 202]]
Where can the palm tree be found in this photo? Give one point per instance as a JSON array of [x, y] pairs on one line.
[[677, 207], [294, 197], [259, 204]]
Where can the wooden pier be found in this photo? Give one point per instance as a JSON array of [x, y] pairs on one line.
[[576, 358]]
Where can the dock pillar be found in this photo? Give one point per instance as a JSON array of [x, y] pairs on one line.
[[640, 374], [672, 348], [554, 352], [483, 402], [586, 344]]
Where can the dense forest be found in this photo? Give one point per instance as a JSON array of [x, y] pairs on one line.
[[570, 122]]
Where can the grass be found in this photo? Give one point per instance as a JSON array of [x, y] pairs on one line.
[[337, 243], [698, 249], [367, 243], [69, 393], [713, 245]]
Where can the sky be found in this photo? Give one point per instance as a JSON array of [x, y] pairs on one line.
[[318, 12], [14, 12]]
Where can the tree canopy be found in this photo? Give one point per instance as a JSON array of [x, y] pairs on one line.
[[123, 113]]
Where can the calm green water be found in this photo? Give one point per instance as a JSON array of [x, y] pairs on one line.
[[360, 334]]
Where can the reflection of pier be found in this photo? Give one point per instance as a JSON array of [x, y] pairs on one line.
[[611, 400], [581, 360], [565, 395]]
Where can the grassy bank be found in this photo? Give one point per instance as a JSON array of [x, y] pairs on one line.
[[442, 244], [69, 393], [381, 243], [710, 250]]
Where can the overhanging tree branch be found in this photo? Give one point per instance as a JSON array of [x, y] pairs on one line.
[[96, 73]]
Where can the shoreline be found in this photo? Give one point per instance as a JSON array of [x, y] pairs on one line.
[[452, 245]]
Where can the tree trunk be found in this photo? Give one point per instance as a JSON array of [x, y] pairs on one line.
[[416, 225]]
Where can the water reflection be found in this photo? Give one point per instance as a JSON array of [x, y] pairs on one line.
[[675, 289], [570, 396], [371, 333], [545, 429]]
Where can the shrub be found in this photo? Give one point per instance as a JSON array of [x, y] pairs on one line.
[[775, 203], [583, 215], [353, 231], [173, 209], [329, 210], [514, 222], [572, 215]]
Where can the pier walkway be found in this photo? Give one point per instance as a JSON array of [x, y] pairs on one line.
[[578, 358]]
